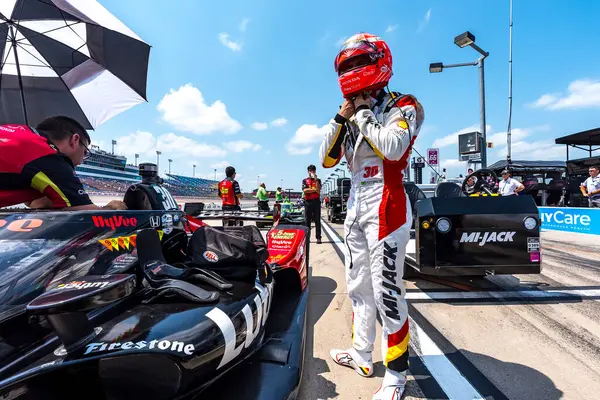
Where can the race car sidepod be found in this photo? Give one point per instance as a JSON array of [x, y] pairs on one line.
[[476, 236]]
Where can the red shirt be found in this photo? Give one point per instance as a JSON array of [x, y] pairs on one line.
[[32, 167], [228, 191], [312, 184]]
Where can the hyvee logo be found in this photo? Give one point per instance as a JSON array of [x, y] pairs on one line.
[[164, 345], [487, 237], [81, 285], [114, 222]]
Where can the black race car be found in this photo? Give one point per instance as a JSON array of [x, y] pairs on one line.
[[149, 303], [470, 230]]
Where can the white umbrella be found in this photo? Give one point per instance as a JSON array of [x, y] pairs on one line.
[[68, 57]]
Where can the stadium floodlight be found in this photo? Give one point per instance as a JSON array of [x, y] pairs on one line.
[[463, 40], [436, 67]]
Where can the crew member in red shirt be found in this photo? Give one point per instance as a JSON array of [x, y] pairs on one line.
[[37, 166], [311, 187], [229, 191]]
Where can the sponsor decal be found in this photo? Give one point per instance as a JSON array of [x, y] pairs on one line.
[[533, 244], [154, 221], [262, 300], [114, 222], [283, 235], [487, 237], [391, 292], [78, 285], [21, 225], [123, 242], [164, 345], [124, 260], [210, 256], [583, 220], [167, 223], [276, 257], [403, 124], [534, 256]]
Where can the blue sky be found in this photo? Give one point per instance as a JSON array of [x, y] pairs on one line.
[[251, 84]]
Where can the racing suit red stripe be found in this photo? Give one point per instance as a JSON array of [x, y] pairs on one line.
[[392, 213]]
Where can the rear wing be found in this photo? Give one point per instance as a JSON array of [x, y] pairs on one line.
[[250, 215]]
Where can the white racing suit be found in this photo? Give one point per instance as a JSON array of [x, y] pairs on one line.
[[377, 143]]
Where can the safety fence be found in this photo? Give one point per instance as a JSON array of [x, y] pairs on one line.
[[571, 219]]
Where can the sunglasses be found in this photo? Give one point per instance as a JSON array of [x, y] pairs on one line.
[[86, 150]]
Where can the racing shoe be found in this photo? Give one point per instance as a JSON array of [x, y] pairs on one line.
[[351, 358], [392, 386], [390, 392]]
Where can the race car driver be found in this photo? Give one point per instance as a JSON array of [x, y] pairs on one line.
[[37, 166], [374, 130]]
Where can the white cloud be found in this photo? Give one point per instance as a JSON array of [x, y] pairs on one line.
[[537, 150], [305, 138], [186, 110], [239, 146], [259, 126], [220, 165], [279, 122], [425, 21], [244, 24], [391, 28], [182, 150], [583, 93], [232, 45]]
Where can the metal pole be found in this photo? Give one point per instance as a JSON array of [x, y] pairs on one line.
[[482, 113], [508, 130], [20, 78]]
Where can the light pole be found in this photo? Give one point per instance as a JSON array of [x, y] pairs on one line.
[[464, 40], [341, 170], [136, 158], [158, 153], [215, 174], [114, 143], [170, 161], [194, 171]]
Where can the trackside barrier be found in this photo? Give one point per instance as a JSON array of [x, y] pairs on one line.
[[571, 219]]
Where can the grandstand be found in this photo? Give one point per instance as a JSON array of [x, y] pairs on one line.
[[104, 173]]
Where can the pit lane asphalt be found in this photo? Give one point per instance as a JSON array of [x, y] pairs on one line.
[[511, 338]]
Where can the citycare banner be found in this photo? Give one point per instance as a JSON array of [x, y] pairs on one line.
[[567, 219]]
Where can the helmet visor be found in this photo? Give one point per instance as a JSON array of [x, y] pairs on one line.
[[354, 55]]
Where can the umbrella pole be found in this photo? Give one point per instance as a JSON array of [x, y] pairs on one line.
[[14, 44]]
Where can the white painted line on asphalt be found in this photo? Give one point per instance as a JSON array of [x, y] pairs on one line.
[[500, 295], [452, 382]]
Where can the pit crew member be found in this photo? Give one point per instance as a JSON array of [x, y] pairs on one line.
[[509, 186], [590, 188], [229, 191], [311, 191], [37, 166]]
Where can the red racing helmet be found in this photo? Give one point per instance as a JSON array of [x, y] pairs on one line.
[[363, 64]]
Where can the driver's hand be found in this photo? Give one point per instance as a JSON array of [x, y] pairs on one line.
[[585, 195], [362, 100], [347, 109], [115, 205]]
